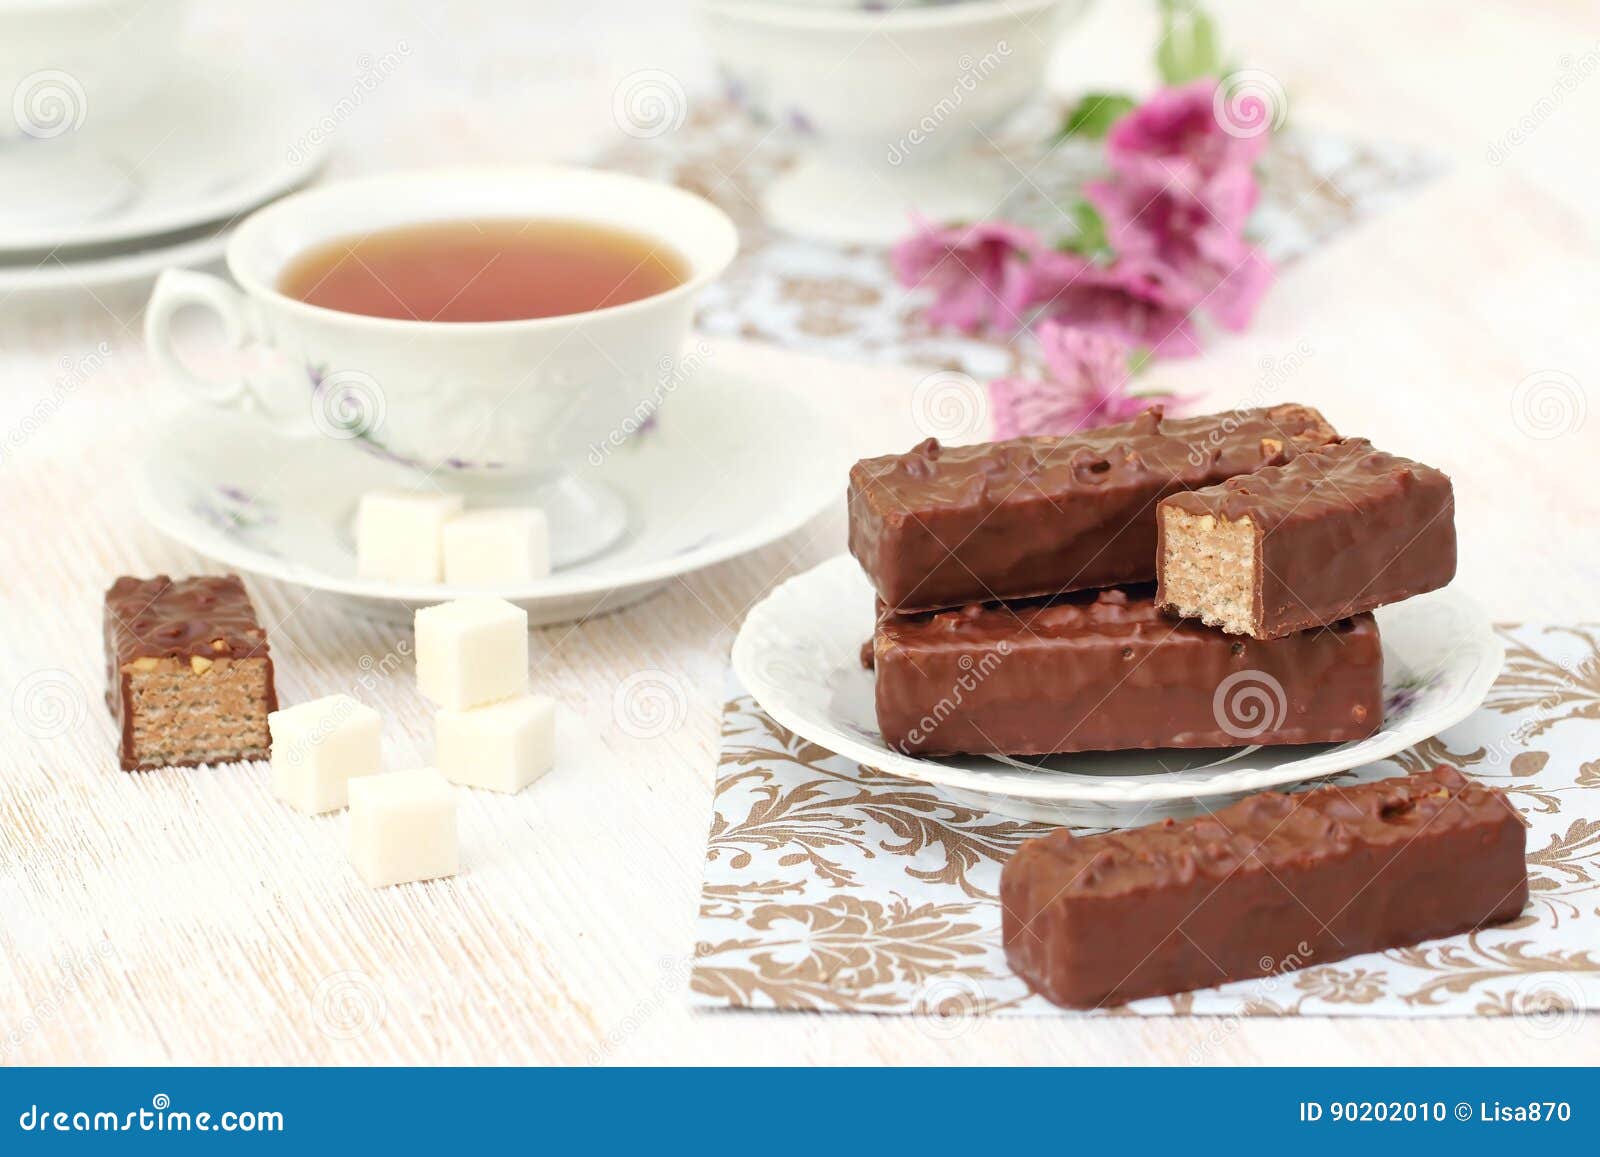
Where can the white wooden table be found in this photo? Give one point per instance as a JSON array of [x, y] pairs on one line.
[[183, 917]]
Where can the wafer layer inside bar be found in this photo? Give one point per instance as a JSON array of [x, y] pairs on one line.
[[941, 526], [1272, 883], [1101, 671], [1340, 530], [189, 676]]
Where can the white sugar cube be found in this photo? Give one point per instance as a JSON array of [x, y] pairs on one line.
[[399, 534], [403, 827], [318, 747], [504, 545], [503, 747], [472, 651]]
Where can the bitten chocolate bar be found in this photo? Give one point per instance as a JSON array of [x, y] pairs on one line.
[[189, 674], [1337, 531], [941, 526], [1102, 671], [1272, 883]]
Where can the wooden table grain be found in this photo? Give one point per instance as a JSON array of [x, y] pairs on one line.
[[184, 917]]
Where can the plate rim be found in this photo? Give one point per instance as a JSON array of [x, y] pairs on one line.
[[212, 545], [268, 183], [101, 272], [1127, 790]]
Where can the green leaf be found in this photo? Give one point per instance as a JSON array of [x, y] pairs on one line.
[[1089, 234], [1189, 47], [1168, 62], [1094, 114], [1205, 57]]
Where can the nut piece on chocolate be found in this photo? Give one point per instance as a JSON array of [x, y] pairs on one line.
[[945, 525], [1272, 883], [189, 675], [1340, 530]]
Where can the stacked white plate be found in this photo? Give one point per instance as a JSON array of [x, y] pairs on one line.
[[155, 184]]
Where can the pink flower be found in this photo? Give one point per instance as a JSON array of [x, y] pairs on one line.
[[1174, 208], [1127, 300], [1176, 136], [982, 275], [1180, 193], [1086, 386], [1191, 249]]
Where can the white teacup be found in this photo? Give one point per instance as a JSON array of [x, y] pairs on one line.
[[503, 399]]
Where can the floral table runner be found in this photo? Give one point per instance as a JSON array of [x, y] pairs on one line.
[[835, 887], [844, 301]]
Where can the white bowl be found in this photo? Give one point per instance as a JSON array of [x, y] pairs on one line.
[[889, 100]]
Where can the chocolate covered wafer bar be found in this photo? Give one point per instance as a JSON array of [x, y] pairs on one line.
[[946, 525], [189, 674], [1338, 531], [1105, 670], [1274, 882]]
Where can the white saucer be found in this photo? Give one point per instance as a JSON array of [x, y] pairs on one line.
[[798, 654], [102, 268], [730, 465], [210, 144]]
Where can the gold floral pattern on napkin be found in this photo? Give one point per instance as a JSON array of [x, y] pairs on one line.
[[844, 300], [833, 886]]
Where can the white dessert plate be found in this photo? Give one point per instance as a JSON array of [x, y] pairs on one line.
[[101, 268], [207, 145], [798, 654], [731, 464]]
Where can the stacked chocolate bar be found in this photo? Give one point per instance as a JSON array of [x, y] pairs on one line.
[[1195, 582], [1207, 582]]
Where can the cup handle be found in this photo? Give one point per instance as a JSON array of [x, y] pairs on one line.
[[178, 289]]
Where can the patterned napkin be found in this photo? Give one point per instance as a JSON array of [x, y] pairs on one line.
[[831, 886], [844, 300]]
